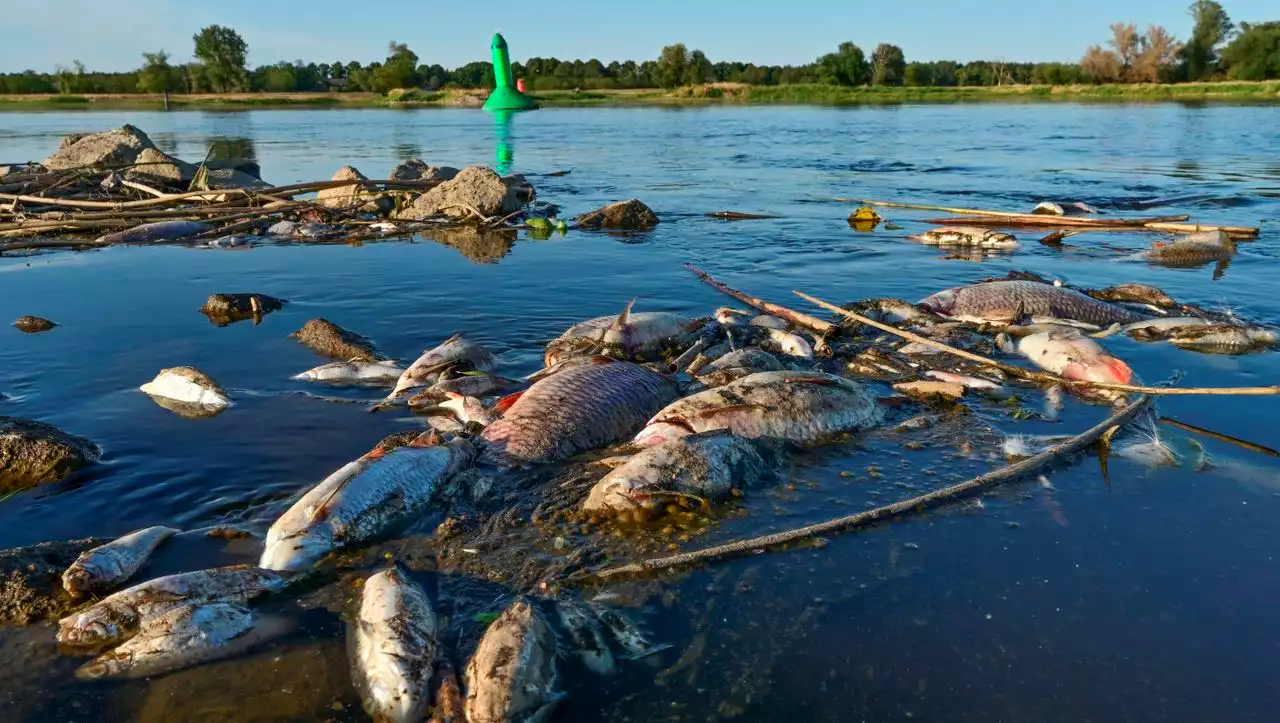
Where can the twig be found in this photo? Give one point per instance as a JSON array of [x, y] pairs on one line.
[[736, 216], [795, 317], [1040, 376], [297, 188], [1220, 437], [914, 504], [1096, 224], [144, 188]]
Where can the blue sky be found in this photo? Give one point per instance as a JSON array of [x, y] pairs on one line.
[[42, 34]]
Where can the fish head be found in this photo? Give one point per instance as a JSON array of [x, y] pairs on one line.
[[943, 302], [78, 580], [97, 627], [659, 432], [298, 550], [1103, 368]]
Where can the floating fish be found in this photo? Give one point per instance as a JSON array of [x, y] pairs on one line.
[[1194, 249], [627, 633], [1156, 328], [967, 382], [769, 322], [394, 645], [187, 385], [706, 466], [785, 342], [457, 353], [1011, 301], [587, 637], [801, 407], [362, 500], [575, 410], [512, 675], [1137, 293], [1072, 355], [106, 567], [158, 231], [353, 372], [982, 238], [1224, 339], [473, 385], [118, 616], [629, 335]]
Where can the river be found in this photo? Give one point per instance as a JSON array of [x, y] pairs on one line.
[[1061, 599]]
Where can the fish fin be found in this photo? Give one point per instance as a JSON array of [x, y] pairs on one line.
[[429, 438], [600, 359], [624, 319], [374, 453], [453, 339], [728, 409], [1119, 369], [505, 403]]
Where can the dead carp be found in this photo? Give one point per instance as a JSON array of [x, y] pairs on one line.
[[394, 641], [802, 407], [511, 678], [106, 567], [706, 465], [1071, 355], [587, 637], [353, 372], [578, 409], [981, 238], [457, 353], [1134, 293], [1195, 249], [1224, 339], [158, 231], [1011, 301], [640, 336]]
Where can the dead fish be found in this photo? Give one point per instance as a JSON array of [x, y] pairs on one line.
[[118, 616], [892, 311], [586, 636], [235, 240], [769, 322], [785, 342], [1157, 328], [456, 352], [802, 407], [158, 231], [1194, 249], [181, 638], [106, 567], [749, 358], [629, 335], [446, 424], [512, 675], [629, 636], [1136, 293], [464, 409], [706, 466], [284, 228], [473, 385], [353, 372], [571, 362], [363, 500], [1011, 301], [1224, 339], [1071, 355], [450, 704], [983, 238], [189, 386], [576, 410], [394, 646], [966, 381], [729, 316]]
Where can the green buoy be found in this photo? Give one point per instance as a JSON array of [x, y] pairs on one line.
[[505, 96]]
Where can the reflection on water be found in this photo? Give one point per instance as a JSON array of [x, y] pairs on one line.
[[505, 151], [232, 149], [1149, 603]]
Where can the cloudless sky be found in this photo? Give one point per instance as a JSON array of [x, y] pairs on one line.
[[105, 35]]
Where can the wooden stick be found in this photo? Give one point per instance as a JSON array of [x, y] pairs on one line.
[[1055, 221], [1220, 437], [297, 188], [1040, 376], [1073, 220], [914, 504], [812, 323]]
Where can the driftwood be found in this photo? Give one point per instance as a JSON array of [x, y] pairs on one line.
[[735, 216], [1251, 446], [811, 323], [915, 504]]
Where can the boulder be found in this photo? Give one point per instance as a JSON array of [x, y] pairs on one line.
[[153, 166], [33, 324], [33, 453], [345, 197], [115, 147], [629, 215], [415, 170], [474, 187], [328, 339], [226, 309], [31, 580]]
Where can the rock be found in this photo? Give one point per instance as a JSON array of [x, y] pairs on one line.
[[629, 215], [475, 187], [32, 453], [33, 324], [31, 580], [114, 147], [949, 391], [328, 339], [345, 196], [153, 166], [521, 187], [224, 309], [415, 170]]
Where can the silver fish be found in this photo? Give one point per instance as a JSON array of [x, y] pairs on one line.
[[181, 638], [512, 675], [394, 645], [802, 407], [106, 567], [354, 372], [361, 501], [728, 316], [769, 322], [738, 364], [785, 342], [629, 335], [982, 238], [457, 352], [473, 385], [587, 637], [1072, 355], [158, 231], [117, 617], [628, 635], [893, 311], [1010, 301], [1156, 328], [706, 465], [576, 410], [1225, 339]]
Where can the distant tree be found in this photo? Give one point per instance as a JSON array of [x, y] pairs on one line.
[[672, 66], [156, 75], [1211, 30], [1255, 53], [1126, 43], [1101, 66], [1157, 57], [281, 77], [847, 66], [223, 53], [700, 69], [918, 75], [888, 65], [399, 71]]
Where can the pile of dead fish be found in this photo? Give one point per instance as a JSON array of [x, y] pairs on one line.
[[696, 408]]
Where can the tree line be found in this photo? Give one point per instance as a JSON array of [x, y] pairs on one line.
[[1217, 49]]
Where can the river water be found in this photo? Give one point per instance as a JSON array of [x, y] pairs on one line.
[[1061, 599]]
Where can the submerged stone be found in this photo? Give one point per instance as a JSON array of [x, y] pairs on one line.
[[33, 453], [33, 324], [328, 339], [630, 215], [224, 309]]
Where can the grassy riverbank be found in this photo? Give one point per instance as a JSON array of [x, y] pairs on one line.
[[1266, 91]]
